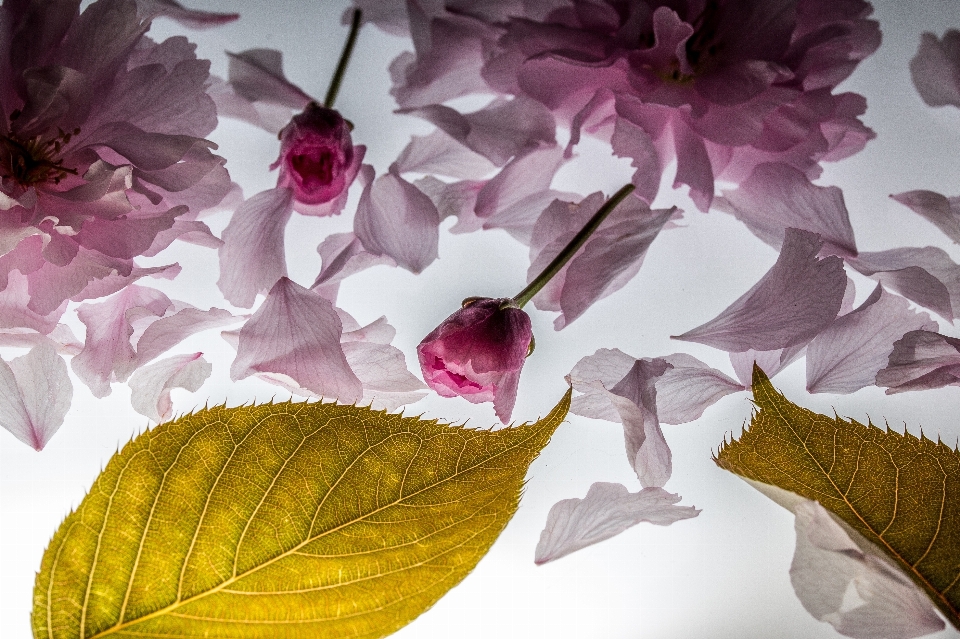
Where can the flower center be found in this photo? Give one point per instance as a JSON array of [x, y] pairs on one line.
[[704, 44], [315, 167], [35, 160]]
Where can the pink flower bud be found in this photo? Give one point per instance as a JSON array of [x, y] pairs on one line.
[[477, 354], [316, 155]]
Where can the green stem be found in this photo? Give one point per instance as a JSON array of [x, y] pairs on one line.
[[570, 249], [344, 60]]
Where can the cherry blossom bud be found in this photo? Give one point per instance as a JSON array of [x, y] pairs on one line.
[[477, 353], [316, 155]]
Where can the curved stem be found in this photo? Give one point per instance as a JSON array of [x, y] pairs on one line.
[[344, 60], [570, 249]]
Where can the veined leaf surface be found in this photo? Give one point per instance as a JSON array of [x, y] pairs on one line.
[[282, 520], [902, 493]]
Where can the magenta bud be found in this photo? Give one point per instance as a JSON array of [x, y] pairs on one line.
[[316, 154], [477, 353]]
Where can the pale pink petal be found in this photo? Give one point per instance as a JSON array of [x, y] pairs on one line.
[[501, 130], [168, 331], [854, 589], [936, 69], [388, 15], [635, 398], [187, 17], [342, 255], [609, 259], [592, 376], [522, 177], [921, 360], [62, 338], [296, 333], [257, 76], [770, 362], [776, 197], [382, 370], [450, 52], [693, 165], [107, 347], [378, 331], [847, 355], [606, 511], [455, 199], [252, 257], [943, 211], [926, 276], [151, 385], [439, 154], [269, 117], [110, 282], [689, 388], [796, 299], [15, 311], [35, 395], [394, 218], [631, 141]]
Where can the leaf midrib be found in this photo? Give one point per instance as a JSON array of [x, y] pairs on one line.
[[233, 579], [928, 586]]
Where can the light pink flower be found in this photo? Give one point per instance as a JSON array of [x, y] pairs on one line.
[[477, 354], [719, 85], [101, 144]]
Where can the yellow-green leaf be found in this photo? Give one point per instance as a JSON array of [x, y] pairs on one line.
[[282, 520], [900, 492]]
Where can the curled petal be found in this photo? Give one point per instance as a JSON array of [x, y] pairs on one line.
[[921, 360], [342, 255], [635, 398], [770, 362], [257, 76], [777, 196], [151, 385], [606, 511], [847, 355], [926, 276], [382, 369], [796, 299], [296, 333], [394, 218], [936, 69], [943, 211], [856, 591], [35, 395], [252, 257]]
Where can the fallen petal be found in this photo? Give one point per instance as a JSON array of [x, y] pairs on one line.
[[857, 592], [796, 299], [935, 69], [296, 333], [151, 385], [847, 355], [944, 212], [252, 256], [606, 511], [35, 395], [921, 360]]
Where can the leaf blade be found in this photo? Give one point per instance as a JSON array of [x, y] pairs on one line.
[[883, 484], [282, 520]]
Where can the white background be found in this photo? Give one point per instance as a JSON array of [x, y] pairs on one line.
[[721, 575]]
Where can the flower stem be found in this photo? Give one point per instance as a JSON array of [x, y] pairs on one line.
[[570, 249], [344, 60]]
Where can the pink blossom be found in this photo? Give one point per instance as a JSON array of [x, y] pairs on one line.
[[316, 155], [101, 144], [719, 85], [477, 353]]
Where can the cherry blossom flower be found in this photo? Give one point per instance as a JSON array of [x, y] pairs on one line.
[[477, 353], [720, 86], [102, 156]]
